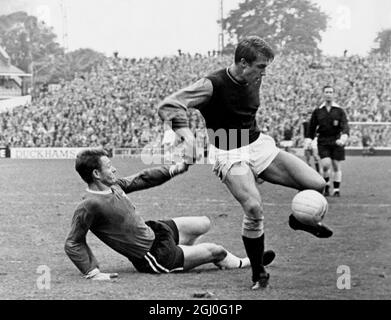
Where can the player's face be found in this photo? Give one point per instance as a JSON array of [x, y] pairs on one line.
[[328, 94], [107, 172], [254, 72]]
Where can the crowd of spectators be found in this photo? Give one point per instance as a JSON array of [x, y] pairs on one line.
[[295, 83], [115, 105]]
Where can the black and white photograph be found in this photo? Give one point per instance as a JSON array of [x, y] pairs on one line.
[[212, 152]]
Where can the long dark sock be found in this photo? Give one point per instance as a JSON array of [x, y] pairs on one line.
[[255, 248], [327, 187]]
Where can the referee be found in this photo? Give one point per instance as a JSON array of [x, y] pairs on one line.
[[330, 124]]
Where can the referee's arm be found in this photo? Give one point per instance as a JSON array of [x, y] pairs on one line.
[[342, 140]]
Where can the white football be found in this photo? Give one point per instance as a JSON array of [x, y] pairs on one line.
[[309, 207]]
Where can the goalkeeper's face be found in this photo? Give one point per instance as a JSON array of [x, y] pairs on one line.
[[106, 173]]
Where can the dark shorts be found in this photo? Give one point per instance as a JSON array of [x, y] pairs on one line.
[[165, 255], [332, 151]]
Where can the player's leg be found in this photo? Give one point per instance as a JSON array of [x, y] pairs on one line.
[[337, 177], [315, 155], [203, 253], [191, 229], [318, 167], [326, 167], [307, 156], [338, 156], [241, 183], [290, 171], [325, 155]]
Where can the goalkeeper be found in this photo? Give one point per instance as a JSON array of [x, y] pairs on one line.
[[152, 246], [330, 124]]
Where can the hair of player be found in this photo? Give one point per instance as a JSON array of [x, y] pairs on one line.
[[87, 161], [328, 86], [250, 47]]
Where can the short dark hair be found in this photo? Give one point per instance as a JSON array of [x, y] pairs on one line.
[[87, 161], [328, 86], [250, 47]]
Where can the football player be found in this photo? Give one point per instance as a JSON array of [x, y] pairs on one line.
[[152, 246], [228, 99]]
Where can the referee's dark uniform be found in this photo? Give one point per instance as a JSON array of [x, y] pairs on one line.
[[329, 126]]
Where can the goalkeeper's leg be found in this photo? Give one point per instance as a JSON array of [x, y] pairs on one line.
[[203, 253], [191, 229]]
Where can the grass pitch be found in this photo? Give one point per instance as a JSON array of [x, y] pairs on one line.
[[38, 199]]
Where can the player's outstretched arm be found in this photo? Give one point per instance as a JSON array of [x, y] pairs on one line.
[[151, 177]]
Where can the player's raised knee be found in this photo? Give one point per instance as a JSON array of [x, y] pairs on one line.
[[204, 223]]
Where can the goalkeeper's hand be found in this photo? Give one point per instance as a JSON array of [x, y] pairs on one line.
[[95, 274], [178, 168], [342, 140]]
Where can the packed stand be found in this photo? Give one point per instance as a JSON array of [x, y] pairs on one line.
[[116, 104]]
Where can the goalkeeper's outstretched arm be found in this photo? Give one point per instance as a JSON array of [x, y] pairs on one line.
[[152, 177]]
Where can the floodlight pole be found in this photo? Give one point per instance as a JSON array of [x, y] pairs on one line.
[[64, 25], [221, 35]]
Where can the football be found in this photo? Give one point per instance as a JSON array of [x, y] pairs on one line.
[[309, 207]]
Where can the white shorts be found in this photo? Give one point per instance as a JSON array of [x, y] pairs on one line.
[[314, 145], [258, 155]]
